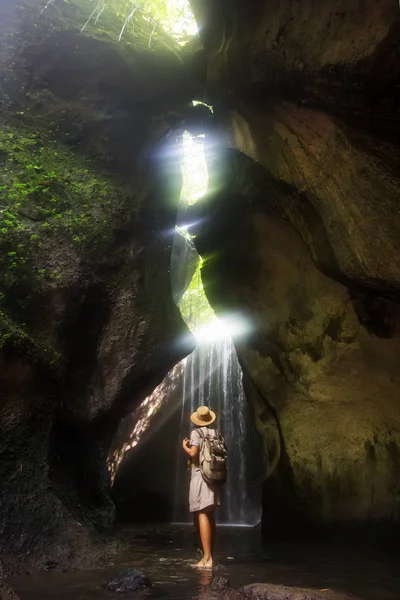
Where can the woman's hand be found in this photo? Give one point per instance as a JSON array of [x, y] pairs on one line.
[[193, 451]]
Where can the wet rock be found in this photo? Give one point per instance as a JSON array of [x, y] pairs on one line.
[[130, 580], [220, 589], [6, 592], [267, 591]]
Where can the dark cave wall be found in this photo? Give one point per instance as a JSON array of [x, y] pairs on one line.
[[323, 387], [301, 237], [88, 326]]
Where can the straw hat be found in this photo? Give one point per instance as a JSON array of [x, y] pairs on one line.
[[203, 416]]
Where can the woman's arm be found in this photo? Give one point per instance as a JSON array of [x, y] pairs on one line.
[[193, 451]]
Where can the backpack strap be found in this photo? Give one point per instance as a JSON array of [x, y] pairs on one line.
[[204, 435], [202, 438]]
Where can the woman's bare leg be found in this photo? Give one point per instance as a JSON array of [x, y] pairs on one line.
[[197, 529], [213, 531], [206, 519]]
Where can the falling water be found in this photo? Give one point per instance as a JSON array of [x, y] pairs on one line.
[[212, 377]]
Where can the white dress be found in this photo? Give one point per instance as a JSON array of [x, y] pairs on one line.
[[201, 494]]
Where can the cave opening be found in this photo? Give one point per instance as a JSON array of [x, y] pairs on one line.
[[299, 233]]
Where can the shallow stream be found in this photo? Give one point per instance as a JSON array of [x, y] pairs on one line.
[[166, 553]]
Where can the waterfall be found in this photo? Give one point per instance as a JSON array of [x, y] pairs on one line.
[[212, 377]]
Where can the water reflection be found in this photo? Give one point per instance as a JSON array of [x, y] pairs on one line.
[[204, 578]]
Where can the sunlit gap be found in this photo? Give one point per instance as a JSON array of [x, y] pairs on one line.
[[194, 306]]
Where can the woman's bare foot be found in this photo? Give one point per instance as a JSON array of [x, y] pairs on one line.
[[203, 564]]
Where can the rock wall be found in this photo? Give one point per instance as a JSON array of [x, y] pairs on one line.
[[88, 198], [301, 238]]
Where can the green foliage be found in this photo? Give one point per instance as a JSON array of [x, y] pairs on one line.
[[194, 306], [175, 16], [140, 23]]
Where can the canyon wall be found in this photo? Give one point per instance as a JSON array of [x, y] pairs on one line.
[[300, 236], [88, 198]]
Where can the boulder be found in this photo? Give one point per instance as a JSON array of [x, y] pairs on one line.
[[220, 589], [130, 580], [268, 591]]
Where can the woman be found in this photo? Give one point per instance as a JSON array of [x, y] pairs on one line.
[[203, 498]]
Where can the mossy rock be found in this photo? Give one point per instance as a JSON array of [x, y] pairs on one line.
[[49, 197]]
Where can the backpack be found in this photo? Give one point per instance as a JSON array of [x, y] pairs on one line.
[[213, 458]]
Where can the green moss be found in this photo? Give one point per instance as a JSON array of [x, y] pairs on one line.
[[53, 204], [46, 192], [60, 203], [17, 338]]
